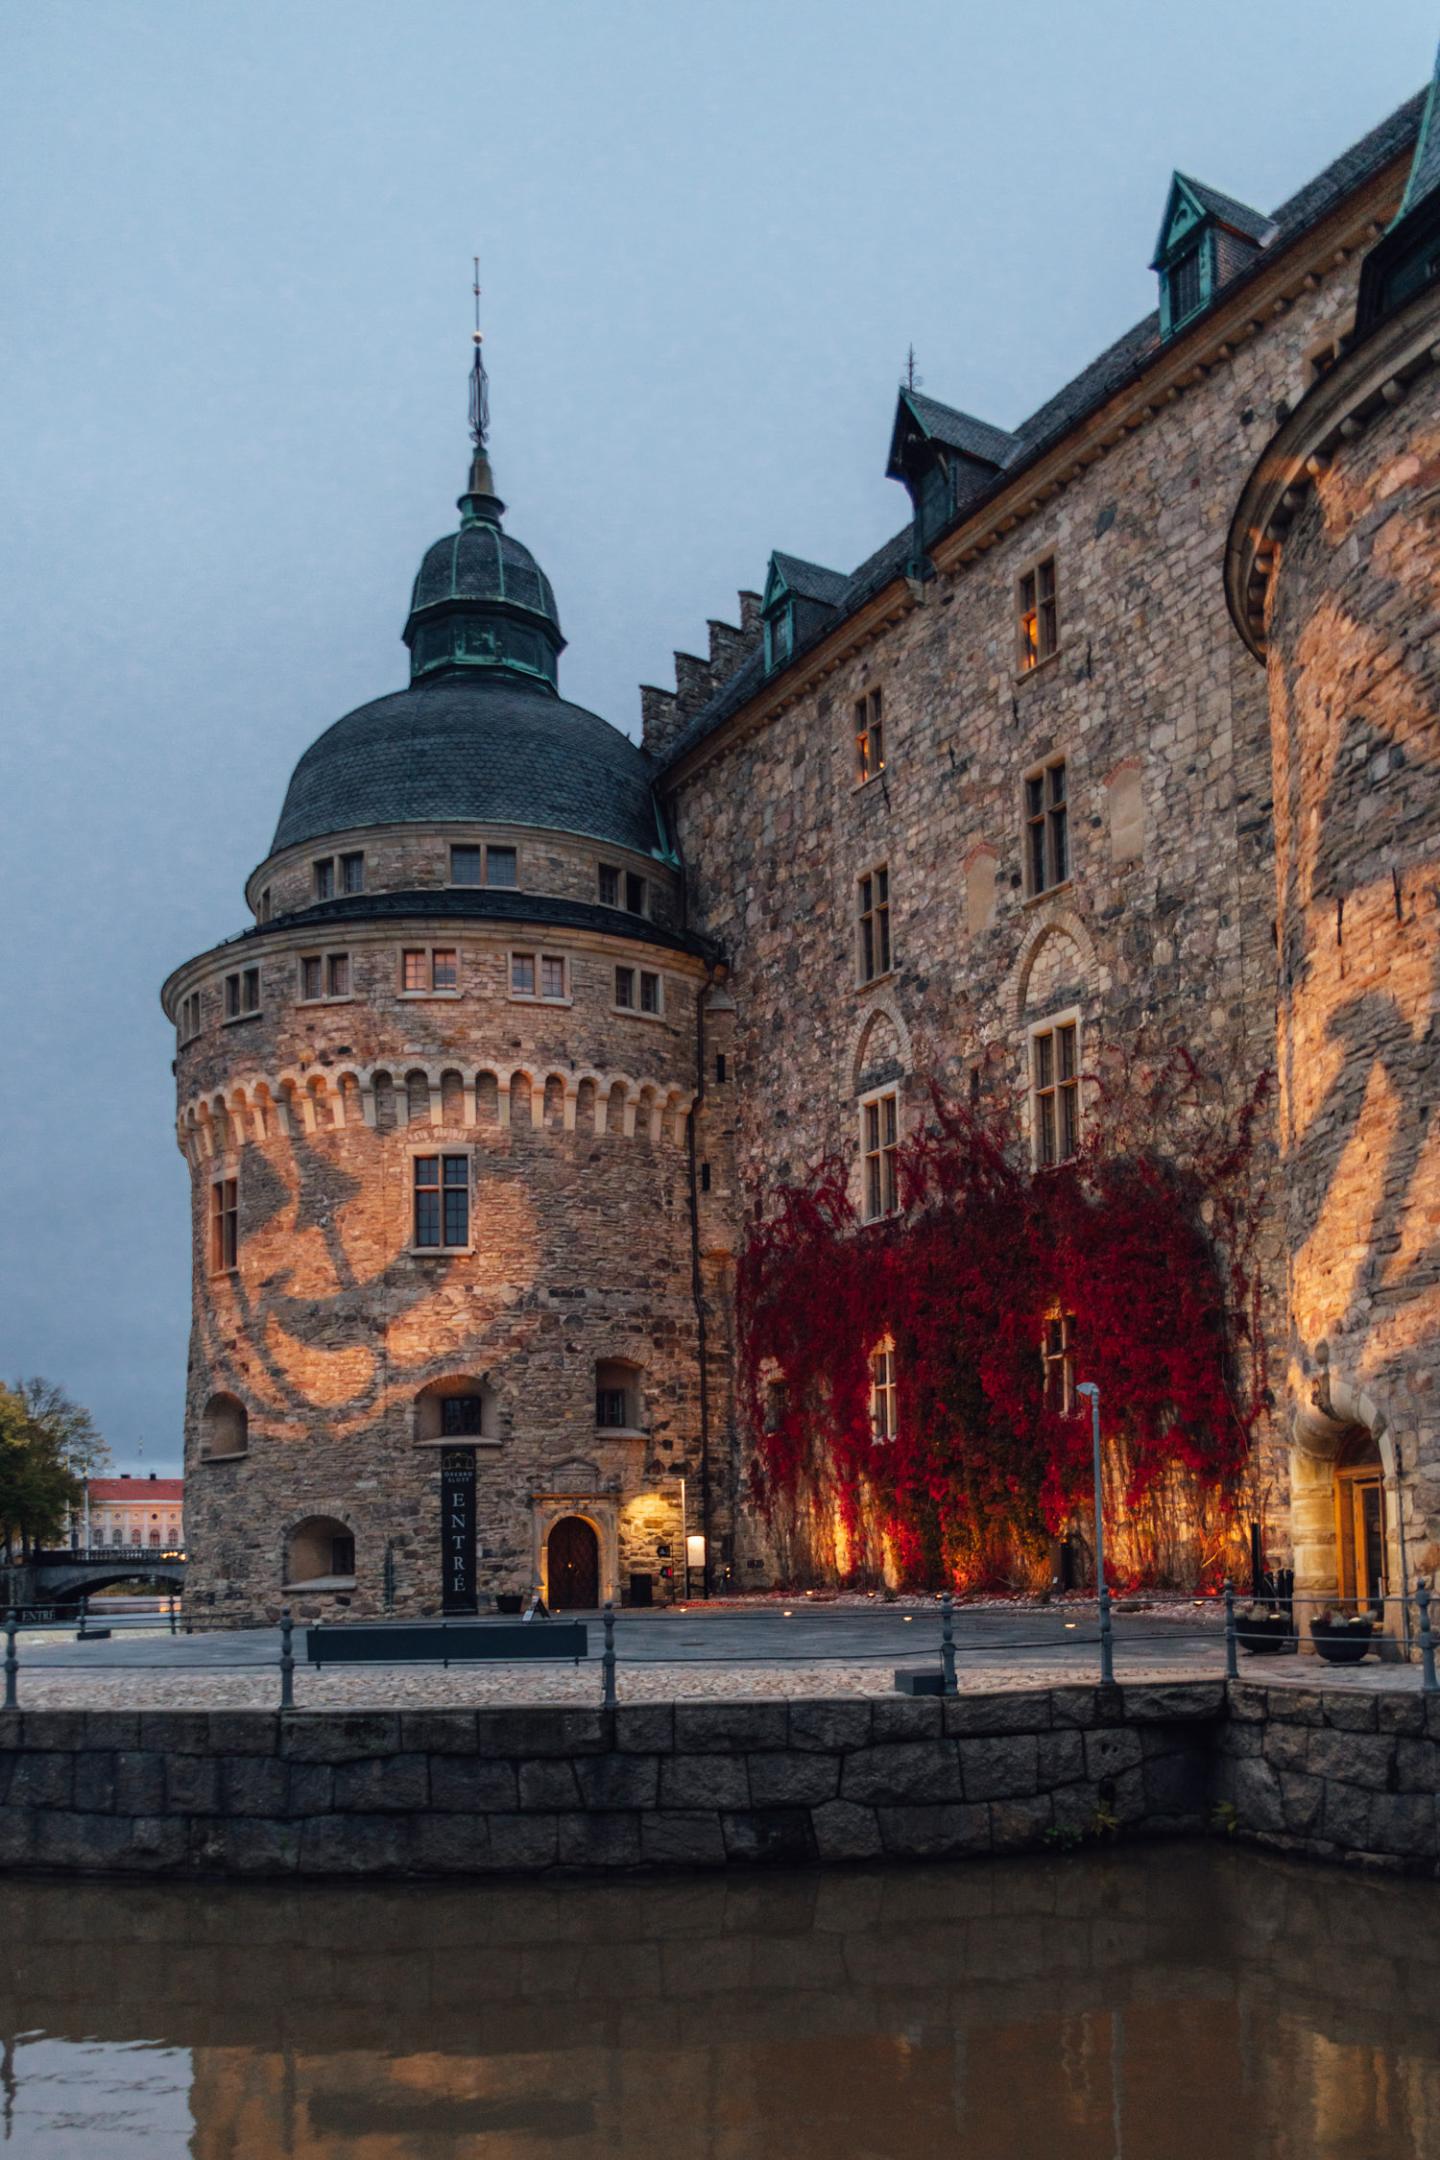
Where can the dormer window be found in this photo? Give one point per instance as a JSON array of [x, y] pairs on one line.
[[1206, 239], [779, 635], [1185, 285]]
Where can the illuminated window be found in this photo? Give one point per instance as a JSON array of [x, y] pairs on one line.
[[425, 970], [1059, 1355], [873, 893], [1047, 827], [882, 1391], [352, 872], [1055, 1090], [224, 1225], [869, 738], [880, 1153], [1038, 599], [442, 1202], [324, 877], [242, 994]]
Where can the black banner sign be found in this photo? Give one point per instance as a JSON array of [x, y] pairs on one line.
[[457, 1530]]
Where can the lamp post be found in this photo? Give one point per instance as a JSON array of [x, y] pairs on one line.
[[1107, 1653]]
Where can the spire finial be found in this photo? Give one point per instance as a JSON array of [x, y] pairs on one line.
[[479, 381], [913, 378]]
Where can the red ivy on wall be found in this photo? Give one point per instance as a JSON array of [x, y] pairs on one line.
[[1146, 1240]]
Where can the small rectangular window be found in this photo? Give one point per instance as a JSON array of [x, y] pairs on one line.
[[250, 990], [325, 878], [224, 1224], [522, 974], [465, 865], [720, 1065], [625, 988], [442, 1202], [265, 905], [1056, 1094], [552, 976], [882, 1392], [1038, 611], [634, 892], [704, 1177], [462, 1417], [415, 970], [444, 970], [501, 866], [610, 1408], [880, 1149], [337, 975], [342, 1556], [352, 872], [609, 885], [874, 923], [869, 738], [1183, 282], [1059, 1355], [232, 997], [649, 991], [1047, 827], [430, 969], [312, 976]]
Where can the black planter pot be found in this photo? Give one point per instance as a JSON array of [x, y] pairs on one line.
[[1265, 1634], [1345, 1644], [509, 1601]]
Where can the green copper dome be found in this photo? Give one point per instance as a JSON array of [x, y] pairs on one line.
[[481, 601]]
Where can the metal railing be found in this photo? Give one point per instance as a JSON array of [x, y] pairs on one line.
[[941, 1650]]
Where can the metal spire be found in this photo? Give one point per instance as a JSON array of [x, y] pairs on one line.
[[479, 381]]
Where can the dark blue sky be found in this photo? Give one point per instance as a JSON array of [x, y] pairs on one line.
[[235, 263]]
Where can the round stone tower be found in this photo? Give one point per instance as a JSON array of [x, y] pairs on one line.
[[437, 1101], [1333, 578]]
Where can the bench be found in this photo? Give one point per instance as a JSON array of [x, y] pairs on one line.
[[438, 1642]]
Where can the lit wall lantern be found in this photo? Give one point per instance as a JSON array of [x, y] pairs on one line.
[[695, 1551]]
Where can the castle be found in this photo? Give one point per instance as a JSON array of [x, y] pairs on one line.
[[474, 1108]]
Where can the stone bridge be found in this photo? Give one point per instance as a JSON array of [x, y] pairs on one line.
[[61, 1576]]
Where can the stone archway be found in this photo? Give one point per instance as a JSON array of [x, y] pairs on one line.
[[1345, 1499]]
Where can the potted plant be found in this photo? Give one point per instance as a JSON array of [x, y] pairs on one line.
[[1263, 1629], [1342, 1638], [509, 1601]]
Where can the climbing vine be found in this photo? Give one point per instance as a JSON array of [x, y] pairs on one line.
[[1144, 1246]]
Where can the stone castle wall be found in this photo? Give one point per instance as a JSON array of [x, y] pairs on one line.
[[1164, 929]]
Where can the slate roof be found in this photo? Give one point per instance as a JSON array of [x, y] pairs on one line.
[[483, 903], [1117, 365], [480, 748], [1229, 209], [960, 430], [811, 581], [1425, 172]]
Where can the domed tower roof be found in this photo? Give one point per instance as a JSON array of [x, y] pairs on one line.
[[482, 734]]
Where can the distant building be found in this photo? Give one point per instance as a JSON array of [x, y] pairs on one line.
[[135, 1511]]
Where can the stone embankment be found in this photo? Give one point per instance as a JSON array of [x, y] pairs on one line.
[[523, 1791]]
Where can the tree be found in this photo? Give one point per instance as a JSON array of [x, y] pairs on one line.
[[49, 1445]]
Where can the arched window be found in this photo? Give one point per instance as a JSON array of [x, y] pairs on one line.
[[224, 1427], [462, 1406], [320, 1555], [617, 1396]]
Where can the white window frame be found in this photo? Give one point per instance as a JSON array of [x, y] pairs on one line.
[[429, 952], [885, 1154], [326, 995], [539, 956], [1052, 1022]]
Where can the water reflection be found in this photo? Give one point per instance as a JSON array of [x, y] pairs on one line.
[[1148, 2005]]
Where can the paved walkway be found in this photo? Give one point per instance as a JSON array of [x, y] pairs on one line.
[[673, 1656]]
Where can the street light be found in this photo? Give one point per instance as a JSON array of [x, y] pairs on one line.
[[1107, 1653]]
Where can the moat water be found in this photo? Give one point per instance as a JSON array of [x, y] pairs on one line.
[[1148, 2004]]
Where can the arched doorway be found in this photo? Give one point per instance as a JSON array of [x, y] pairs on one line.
[[573, 1573], [1360, 1545]]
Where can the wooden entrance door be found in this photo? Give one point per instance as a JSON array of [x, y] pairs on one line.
[[574, 1569], [1360, 1536]]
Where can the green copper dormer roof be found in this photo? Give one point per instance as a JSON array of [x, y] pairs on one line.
[[481, 601], [1406, 259]]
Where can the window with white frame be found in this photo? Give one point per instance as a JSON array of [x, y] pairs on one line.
[[639, 990], [869, 737], [429, 971], [540, 975], [324, 978], [882, 1391], [1055, 1092], [1058, 1352], [1047, 826], [1037, 608], [442, 1202], [873, 923], [880, 1153]]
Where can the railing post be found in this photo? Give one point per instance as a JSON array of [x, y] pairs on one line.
[[172, 1612], [1232, 1662], [287, 1661], [1427, 1640], [947, 1643], [84, 1615], [607, 1661], [12, 1663], [1107, 1639]]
